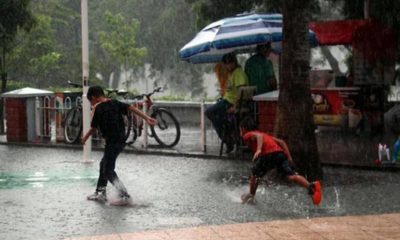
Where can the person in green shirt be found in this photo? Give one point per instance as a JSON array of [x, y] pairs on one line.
[[259, 70], [217, 112]]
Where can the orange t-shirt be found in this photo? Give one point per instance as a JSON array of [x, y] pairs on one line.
[[269, 145]]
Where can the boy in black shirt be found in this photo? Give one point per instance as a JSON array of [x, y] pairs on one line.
[[107, 116]]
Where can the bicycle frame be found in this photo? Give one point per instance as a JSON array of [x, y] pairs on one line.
[[166, 122], [138, 122]]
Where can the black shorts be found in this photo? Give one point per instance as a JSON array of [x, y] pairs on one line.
[[270, 161]]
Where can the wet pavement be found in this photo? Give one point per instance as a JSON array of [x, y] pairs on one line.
[[43, 193]]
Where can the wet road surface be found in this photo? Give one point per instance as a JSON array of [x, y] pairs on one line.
[[43, 194]]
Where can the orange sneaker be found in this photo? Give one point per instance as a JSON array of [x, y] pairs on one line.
[[316, 192]]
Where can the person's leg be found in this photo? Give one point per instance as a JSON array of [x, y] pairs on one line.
[[216, 113], [253, 185], [100, 193], [314, 188], [298, 179], [102, 180], [111, 153], [261, 167]]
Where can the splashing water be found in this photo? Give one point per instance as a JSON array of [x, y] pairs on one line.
[[234, 194]]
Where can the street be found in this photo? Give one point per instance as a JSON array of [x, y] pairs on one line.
[[43, 194]]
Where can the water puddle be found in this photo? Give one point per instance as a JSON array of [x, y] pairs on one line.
[[40, 179]]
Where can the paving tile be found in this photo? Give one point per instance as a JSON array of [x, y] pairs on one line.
[[102, 237], [150, 235], [309, 236], [368, 221], [330, 227], [237, 231], [351, 235], [294, 226], [249, 238], [200, 233], [393, 218], [389, 232]]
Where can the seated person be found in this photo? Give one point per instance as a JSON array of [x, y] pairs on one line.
[[217, 112], [259, 70]]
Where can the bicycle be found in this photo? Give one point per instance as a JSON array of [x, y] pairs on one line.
[[166, 132], [73, 124]]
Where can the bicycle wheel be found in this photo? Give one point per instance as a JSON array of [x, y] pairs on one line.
[[128, 125], [167, 131], [73, 125], [133, 136]]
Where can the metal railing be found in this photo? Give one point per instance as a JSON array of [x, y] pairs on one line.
[[50, 114]]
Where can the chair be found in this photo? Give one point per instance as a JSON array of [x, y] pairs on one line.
[[244, 107]]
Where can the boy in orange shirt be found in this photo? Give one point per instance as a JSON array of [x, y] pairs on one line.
[[269, 153]]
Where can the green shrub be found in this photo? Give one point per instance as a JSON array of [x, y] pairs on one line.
[[13, 85]]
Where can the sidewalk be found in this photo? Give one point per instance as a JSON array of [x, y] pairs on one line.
[[384, 226]]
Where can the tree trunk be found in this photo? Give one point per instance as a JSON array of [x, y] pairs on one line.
[[3, 76], [295, 121]]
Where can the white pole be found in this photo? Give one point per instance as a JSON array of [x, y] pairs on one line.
[[38, 129], [203, 127], [87, 148], [145, 128]]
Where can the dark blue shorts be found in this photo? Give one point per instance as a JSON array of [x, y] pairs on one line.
[[271, 161]]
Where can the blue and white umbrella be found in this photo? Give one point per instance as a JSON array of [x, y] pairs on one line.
[[236, 34]]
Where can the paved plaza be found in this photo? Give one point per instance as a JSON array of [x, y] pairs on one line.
[[351, 227]]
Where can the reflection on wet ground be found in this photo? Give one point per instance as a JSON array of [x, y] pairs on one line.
[[44, 190]]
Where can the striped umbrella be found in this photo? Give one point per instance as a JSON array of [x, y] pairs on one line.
[[236, 34]]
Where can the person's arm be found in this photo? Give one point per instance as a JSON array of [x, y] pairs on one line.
[[87, 135], [149, 120], [285, 148], [259, 139]]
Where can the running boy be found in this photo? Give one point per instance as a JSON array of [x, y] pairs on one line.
[[269, 153], [107, 116]]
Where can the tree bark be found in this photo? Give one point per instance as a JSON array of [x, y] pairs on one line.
[[3, 77], [295, 121]]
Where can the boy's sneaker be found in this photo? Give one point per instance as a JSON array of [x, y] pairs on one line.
[[248, 198], [315, 191], [98, 196], [124, 200]]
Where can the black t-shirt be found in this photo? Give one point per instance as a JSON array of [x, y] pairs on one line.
[[108, 118]]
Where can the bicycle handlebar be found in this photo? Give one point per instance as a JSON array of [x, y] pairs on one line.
[[75, 84], [148, 95]]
